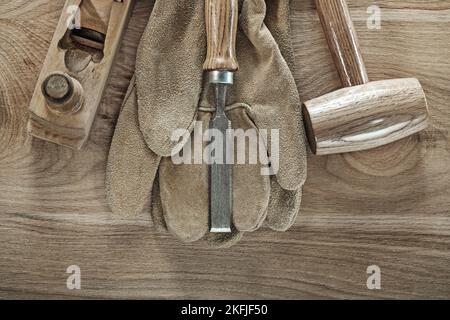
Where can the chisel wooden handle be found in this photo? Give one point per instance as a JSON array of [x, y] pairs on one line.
[[343, 41], [221, 27]]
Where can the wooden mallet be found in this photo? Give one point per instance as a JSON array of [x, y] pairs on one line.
[[362, 115]]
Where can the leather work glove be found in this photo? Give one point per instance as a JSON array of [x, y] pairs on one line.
[[167, 93]]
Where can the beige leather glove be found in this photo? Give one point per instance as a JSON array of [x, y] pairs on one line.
[[168, 94]]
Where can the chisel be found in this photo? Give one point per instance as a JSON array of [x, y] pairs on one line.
[[221, 18]]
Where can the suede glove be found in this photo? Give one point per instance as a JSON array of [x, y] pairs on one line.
[[167, 94]]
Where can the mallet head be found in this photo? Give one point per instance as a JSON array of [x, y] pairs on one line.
[[365, 116]]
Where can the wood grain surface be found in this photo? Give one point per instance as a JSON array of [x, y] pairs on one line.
[[387, 207]]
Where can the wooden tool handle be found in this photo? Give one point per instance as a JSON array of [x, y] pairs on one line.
[[343, 41], [221, 26]]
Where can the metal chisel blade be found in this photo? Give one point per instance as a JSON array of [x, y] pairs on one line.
[[221, 192]]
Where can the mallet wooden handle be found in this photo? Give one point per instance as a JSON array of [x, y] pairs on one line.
[[221, 27], [343, 41]]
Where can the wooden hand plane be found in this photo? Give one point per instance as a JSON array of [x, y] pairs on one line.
[[76, 70]]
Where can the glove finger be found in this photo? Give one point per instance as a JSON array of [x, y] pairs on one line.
[[184, 191], [131, 166], [284, 207], [210, 240], [277, 21], [169, 71], [251, 187], [266, 82], [222, 240]]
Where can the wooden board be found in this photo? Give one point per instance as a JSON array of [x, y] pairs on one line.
[[388, 207]]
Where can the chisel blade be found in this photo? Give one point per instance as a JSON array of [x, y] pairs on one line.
[[221, 192]]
